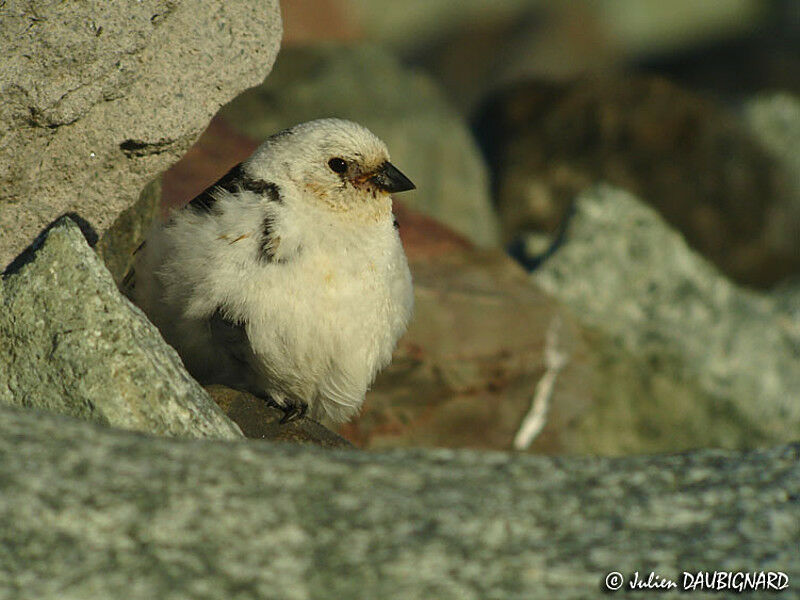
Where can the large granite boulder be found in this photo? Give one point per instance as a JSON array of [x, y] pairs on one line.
[[99, 97], [696, 162], [625, 273], [94, 513], [71, 343], [428, 140]]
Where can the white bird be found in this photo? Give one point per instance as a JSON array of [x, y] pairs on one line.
[[287, 277]]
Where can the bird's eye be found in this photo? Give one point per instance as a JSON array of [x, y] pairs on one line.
[[337, 165]]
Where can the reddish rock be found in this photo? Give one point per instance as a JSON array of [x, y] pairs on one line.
[[424, 237]]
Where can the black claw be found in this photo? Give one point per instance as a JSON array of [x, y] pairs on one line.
[[303, 409], [293, 410]]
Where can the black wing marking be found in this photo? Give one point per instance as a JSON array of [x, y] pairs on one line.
[[269, 242], [235, 180], [204, 202], [269, 239]]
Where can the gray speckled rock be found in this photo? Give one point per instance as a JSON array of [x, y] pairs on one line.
[[72, 344], [787, 298], [774, 120], [91, 513], [99, 97], [427, 138], [623, 271]]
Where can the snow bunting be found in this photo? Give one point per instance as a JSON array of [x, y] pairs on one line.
[[287, 277]]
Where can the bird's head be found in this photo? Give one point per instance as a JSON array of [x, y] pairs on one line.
[[336, 162]]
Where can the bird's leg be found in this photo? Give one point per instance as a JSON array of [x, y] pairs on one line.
[[292, 408]]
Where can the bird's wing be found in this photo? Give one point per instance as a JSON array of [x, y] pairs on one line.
[[234, 181], [231, 337], [230, 182], [203, 203]]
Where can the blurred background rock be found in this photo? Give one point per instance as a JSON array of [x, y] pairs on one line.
[[730, 47], [505, 114]]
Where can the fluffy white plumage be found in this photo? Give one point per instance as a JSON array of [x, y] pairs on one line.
[[288, 278]]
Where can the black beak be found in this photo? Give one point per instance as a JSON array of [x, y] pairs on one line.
[[389, 179]]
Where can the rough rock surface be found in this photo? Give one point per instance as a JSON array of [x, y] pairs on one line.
[[92, 513], [697, 163], [71, 343], [623, 271], [427, 139], [775, 120], [787, 298], [99, 97]]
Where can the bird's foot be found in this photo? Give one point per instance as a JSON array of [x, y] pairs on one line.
[[292, 408]]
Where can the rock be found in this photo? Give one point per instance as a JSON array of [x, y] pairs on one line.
[[697, 164], [472, 46], [481, 53], [647, 28], [624, 402], [72, 344], [774, 120], [94, 513], [118, 245], [312, 21], [98, 98], [260, 421], [624, 272], [428, 140], [787, 300]]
